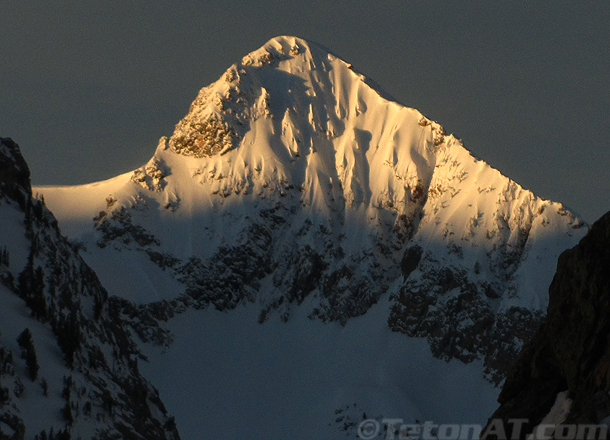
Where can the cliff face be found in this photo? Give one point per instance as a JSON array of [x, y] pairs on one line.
[[571, 351]]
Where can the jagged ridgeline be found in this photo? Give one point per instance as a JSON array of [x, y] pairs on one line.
[[295, 182], [68, 362]]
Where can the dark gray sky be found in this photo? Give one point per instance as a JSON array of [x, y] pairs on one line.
[[89, 87]]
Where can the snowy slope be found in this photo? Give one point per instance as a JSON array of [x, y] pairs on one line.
[[304, 380], [295, 186], [78, 376]]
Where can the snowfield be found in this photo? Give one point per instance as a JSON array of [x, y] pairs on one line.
[[227, 376]]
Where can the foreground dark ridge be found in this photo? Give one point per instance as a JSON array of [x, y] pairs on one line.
[[73, 369], [571, 352]]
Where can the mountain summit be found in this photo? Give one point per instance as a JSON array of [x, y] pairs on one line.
[[294, 186]]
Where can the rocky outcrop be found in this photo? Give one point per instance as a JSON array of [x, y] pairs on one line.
[[571, 351], [14, 172]]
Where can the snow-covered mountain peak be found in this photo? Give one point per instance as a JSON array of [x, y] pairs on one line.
[[294, 181], [337, 240], [291, 115], [289, 81]]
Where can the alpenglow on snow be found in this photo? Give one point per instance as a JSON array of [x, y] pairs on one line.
[[297, 189]]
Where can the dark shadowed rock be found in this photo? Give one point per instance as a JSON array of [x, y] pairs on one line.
[[571, 351], [14, 172]]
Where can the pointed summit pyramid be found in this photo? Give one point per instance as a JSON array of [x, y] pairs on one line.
[[293, 114], [295, 183]]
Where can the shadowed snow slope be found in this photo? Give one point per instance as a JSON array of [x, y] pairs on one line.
[[294, 185]]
